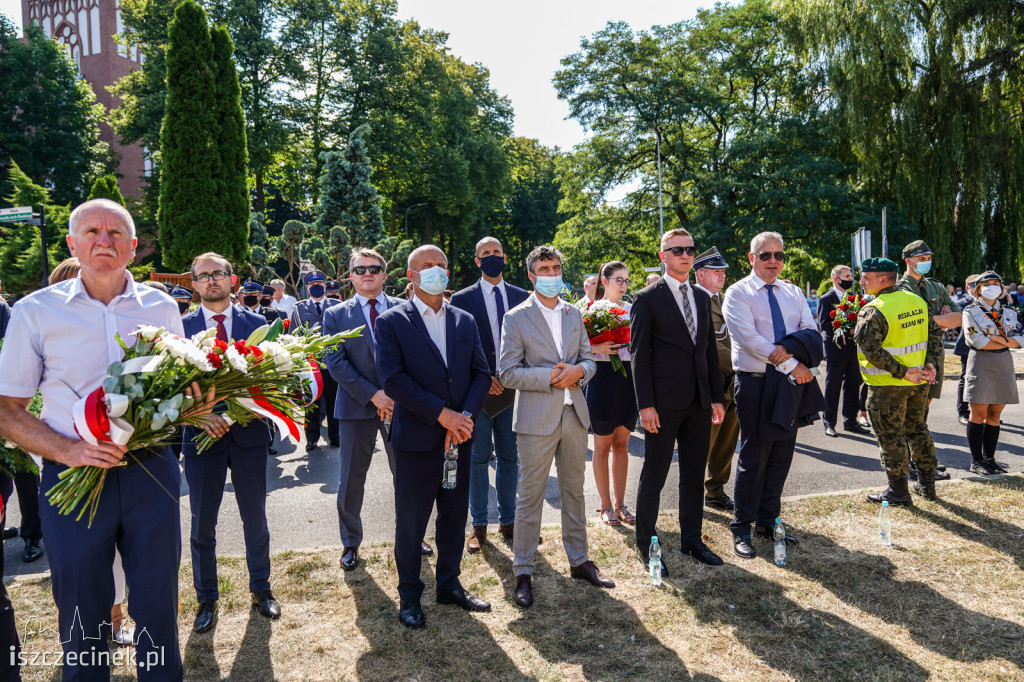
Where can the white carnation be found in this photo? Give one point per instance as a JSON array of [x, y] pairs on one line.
[[148, 332], [187, 352], [236, 360]]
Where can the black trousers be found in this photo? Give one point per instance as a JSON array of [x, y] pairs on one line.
[[842, 374], [9, 644], [690, 431], [962, 409], [323, 407], [762, 466]]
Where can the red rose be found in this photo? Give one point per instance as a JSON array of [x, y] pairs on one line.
[[862, 301], [837, 324], [241, 348], [257, 354], [844, 306], [214, 360], [220, 345], [851, 317], [286, 323], [832, 314]]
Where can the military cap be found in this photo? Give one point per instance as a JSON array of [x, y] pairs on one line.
[[972, 279], [878, 265], [251, 286], [315, 276], [710, 259], [916, 248], [332, 286], [987, 275], [181, 292], [268, 290]]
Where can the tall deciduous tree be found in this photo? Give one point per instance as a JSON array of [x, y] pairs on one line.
[[231, 171]]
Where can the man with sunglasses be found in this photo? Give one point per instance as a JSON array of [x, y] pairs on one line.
[[761, 310], [679, 392], [310, 313]]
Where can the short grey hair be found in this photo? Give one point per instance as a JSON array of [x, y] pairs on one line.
[[104, 204], [421, 249], [758, 241], [542, 252], [277, 283], [839, 268], [487, 240]]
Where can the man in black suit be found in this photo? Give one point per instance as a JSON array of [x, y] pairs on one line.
[[430, 361], [310, 313], [842, 373], [679, 392], [488, 300], [243, 449]]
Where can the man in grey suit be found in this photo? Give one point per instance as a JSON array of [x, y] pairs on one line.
[[362, 407], [545, 355]]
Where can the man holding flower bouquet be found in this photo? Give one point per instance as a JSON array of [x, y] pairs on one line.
[[243, 449], [842, 372]]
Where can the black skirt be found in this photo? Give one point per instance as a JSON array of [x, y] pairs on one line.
[[611, 399]]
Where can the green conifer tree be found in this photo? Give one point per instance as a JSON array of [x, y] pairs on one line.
[[232, 182], [105, 187]]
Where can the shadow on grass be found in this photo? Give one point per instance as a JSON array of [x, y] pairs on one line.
[[198, 659], [253, 662]]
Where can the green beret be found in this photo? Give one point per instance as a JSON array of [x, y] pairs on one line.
[[878, 265]]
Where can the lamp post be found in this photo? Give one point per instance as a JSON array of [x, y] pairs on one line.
[[657, 147], [407, 215]]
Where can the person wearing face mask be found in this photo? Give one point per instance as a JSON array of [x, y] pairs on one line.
[[812, 301], [488, 300], [332, 290], [310, 313], [183, 297], [842, 373], [991, 330], [252, 293], [430, 362]]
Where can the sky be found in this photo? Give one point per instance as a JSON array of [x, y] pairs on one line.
[[522, 43]]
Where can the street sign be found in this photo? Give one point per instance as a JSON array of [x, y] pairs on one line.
[[654, 269], [15, 215]]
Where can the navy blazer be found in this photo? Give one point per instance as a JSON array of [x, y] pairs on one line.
[[352, 363], [414, 375], [256, 433], [471, 299], [791, 406]]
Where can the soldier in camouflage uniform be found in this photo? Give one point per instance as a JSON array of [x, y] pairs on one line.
[[892, 344]]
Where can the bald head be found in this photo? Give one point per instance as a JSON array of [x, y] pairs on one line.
[[110, 209], [425, 253]]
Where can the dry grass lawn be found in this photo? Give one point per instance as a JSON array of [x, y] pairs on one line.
[[946, 602]]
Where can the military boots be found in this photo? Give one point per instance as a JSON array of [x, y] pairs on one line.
[[897, 494], [925, 486]]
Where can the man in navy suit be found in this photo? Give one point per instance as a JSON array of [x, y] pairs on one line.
[[310, 313], [242, 448], [488, 300], [431, 363], [842, 372]]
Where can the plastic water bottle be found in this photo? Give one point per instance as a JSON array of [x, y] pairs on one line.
[[780, 543], [654, 563], [885, 524], [451, 467]]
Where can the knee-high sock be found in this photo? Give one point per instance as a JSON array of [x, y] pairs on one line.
[[975, 439], [990, 440]]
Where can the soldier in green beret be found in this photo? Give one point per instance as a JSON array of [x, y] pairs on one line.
[[893, 347]]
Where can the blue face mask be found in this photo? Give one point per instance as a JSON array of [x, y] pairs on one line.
[[433, 280], [316, 291], [492, 265], [549, 286], [923, 268]]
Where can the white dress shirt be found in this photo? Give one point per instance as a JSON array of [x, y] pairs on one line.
[[839, 292], [749, 319], [435, 323], [381, 302], [487, 289], [212, 323], [673, 285], [553, 316], [286, 303], [61, 341]]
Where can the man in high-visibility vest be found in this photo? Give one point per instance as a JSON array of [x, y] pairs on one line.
[[892, 347]]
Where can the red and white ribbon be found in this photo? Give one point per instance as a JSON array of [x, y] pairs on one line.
[[97, 418], [316, 383], [259, 406]]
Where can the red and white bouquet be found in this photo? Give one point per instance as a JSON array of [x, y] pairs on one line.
[[844, 317], [604, 321], [143, 401]]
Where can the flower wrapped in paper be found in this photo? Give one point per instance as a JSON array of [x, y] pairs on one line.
[[604, 321]]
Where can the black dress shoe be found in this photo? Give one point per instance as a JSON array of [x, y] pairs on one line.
[[646, 562], [349, 558], [464, 600], [991, 462], [267, 605], [982, 468], [411, 614], [10, 533], [206, 617], [769, 535], [310, 447], [32, 551], [426, 549], [703, 554], [830, 431], [743, 546], [856, 428], [524, 591], [723, 502], [335, 444]]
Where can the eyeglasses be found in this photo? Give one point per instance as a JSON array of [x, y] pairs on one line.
[[363, 269], [678, 251], [766, 256], [621, 281], [216, 276]]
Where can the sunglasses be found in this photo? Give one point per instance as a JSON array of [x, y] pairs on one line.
[[216, 276], [766, 256], [678, 251], [372, 269]]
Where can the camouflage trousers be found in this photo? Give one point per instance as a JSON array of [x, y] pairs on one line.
[[899, 417]]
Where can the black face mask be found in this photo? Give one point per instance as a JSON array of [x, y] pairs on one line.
[[250, 301], [183, 307], [845, 284], [265, 302]]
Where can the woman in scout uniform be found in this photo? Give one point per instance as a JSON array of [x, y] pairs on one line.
[[991, 330]]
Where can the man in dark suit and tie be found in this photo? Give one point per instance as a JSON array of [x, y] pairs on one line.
[[842, 373], [431, 363], [310, 313], [679, 393], [243, 449], [488, 300]]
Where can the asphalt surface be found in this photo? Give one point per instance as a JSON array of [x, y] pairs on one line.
[[302, 488]]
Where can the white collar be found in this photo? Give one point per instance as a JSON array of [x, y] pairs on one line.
[[678, 283], [207, 313], [423, 308], [130, 288]]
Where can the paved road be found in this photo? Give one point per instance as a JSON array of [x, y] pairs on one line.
[[302, 488]]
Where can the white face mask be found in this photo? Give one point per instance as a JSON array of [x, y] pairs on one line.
[[992, 291]]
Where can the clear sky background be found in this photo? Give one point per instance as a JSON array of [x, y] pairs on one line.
[[521, 43]]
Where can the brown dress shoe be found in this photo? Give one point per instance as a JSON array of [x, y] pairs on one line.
[[524, 590], [477, 539], [507, 531], [588, 571]]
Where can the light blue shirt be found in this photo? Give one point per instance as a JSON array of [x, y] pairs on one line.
[[749, 319], [381, 302]]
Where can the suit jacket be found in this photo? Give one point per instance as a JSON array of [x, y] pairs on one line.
[[667, 363], [528, 353], [826, 304], [352, 364], [414, 375], [471, 299], [786, 406], [304, 313], [256, 433]]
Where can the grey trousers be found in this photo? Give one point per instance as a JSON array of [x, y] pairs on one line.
[[358, 440], [567, 446]]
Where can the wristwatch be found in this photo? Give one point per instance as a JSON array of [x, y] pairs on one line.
[[467, 414]]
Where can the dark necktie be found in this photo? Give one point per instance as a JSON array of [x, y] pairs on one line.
[[319, 311], [499, 307], [691, 324], [222, 331], [373, 314], [778, 324]]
